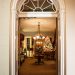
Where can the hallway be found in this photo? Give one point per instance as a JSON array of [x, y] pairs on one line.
[[30, 68]]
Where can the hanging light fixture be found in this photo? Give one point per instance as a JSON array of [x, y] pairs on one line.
[[39, 36]]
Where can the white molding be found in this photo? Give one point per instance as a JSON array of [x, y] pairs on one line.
[[13, 22], [62, 32], [37, 14]]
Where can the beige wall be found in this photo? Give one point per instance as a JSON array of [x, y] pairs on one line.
[[70, 36], [4, 36]]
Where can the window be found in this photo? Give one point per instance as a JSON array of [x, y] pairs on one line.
[[28, 43], [38, 6]]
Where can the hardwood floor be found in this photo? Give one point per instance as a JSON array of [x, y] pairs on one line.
[[30, 68]]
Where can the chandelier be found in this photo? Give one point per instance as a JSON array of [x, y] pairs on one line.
[[39, 36]]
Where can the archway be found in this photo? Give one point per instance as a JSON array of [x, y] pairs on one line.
[[61, 37]]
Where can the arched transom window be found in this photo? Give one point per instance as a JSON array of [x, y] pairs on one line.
[[38, 6]]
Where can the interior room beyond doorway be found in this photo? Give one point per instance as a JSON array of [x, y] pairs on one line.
[[37, 45]]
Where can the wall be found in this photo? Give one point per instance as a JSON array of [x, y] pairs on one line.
[[4, 36], [70, 36]]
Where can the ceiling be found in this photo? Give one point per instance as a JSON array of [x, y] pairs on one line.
[[31, 24]]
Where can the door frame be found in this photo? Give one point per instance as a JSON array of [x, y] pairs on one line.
[[61, 38]]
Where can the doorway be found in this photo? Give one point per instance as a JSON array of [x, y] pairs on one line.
[[37, 46], [62, 68]]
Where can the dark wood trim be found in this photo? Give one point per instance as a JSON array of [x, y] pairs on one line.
[[57, 45]]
